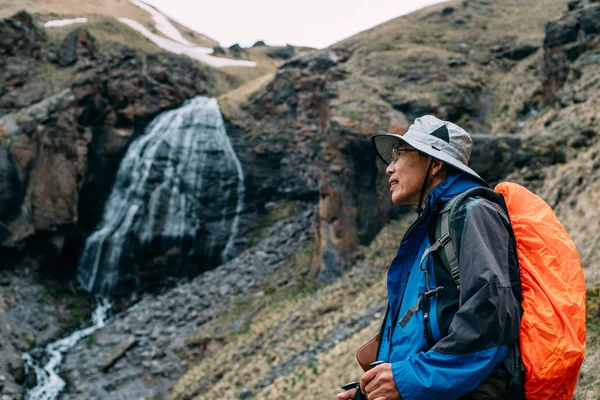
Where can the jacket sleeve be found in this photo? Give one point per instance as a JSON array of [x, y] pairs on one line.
[[487, 322]]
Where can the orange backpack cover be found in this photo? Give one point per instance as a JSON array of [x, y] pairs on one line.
[[553, 328]]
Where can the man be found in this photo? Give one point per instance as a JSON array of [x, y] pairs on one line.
[[440, 340]]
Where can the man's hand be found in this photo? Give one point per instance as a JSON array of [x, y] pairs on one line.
[[378, 383], [347, 395]]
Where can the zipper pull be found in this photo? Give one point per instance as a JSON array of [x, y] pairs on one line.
[[425, 319]]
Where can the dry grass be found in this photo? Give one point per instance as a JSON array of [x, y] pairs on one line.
[[231, 101], [485, 23], [588, 387], [265, 65], [99, 9], [57, 79], [279, 324], [239, 82], [107, 30], [266, 332]]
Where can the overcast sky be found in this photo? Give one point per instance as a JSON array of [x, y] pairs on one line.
[[314, 23]]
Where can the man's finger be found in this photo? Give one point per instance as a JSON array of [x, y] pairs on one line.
[[372, 385], [366, 378], [347, 395], [384, 393]]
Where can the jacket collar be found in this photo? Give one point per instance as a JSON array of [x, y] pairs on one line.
[[449, 188]]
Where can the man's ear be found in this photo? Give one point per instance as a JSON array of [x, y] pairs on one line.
[[437, 167]]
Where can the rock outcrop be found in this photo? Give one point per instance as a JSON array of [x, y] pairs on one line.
[[60, 150], [162, 328], [567, 38]]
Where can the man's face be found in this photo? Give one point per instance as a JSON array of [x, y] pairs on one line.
[[407, 174]]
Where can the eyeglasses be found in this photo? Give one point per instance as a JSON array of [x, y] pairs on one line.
[[398, 152]]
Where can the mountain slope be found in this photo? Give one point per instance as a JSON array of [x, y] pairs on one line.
[[96, 11], [146, 29]]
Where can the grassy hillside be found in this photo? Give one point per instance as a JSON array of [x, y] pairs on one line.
[[293, 341], [104, 26], [95, 10], [300, 341], [457, 60]]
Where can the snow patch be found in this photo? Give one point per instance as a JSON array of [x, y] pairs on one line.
[[162, 23], [199, 53], [64, 22]]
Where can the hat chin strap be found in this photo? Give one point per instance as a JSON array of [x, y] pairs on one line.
[[419, 208]]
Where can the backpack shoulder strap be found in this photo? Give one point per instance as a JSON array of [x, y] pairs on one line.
[[447, 252]]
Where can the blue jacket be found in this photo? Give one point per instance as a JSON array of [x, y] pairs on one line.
[[456, 337]]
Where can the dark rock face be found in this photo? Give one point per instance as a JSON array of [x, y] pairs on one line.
[[517, 53], [590, 20], [78, 45], [297, 127], [20, 51], [494, 157], [574, 34], [20, 36], [413, 109], [283, 53], [237, 51], [44, 165], [60, 154]]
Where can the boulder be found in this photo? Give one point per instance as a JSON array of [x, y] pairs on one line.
[[237, 51], [517, 53], [282, 53], [20, 36], [78, 45], [590, 20], [562, 31]]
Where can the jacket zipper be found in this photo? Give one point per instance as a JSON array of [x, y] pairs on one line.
[[427, 331], [394, 321], [396, 317]]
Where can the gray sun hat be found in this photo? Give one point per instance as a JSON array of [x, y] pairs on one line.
[[441, 140]]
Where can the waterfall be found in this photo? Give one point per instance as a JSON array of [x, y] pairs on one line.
[[178, 196]]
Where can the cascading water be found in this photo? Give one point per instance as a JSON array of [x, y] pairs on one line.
[[48, 383], [177, 199]]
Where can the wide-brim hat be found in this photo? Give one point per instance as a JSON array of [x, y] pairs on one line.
[[439, 139]]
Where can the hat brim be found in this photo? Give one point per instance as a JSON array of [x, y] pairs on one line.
[[385, 142]]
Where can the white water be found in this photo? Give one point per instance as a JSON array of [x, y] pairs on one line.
[[199, 53], [64, 22], [49, 384], [184, 147]]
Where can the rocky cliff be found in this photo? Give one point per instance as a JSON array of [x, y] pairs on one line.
[[61, 146], [320, 110], [526, 81]]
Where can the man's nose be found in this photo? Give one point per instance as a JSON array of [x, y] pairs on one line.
[[390, 169]]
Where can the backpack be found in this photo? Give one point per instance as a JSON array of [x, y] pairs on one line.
[[552, 333]]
